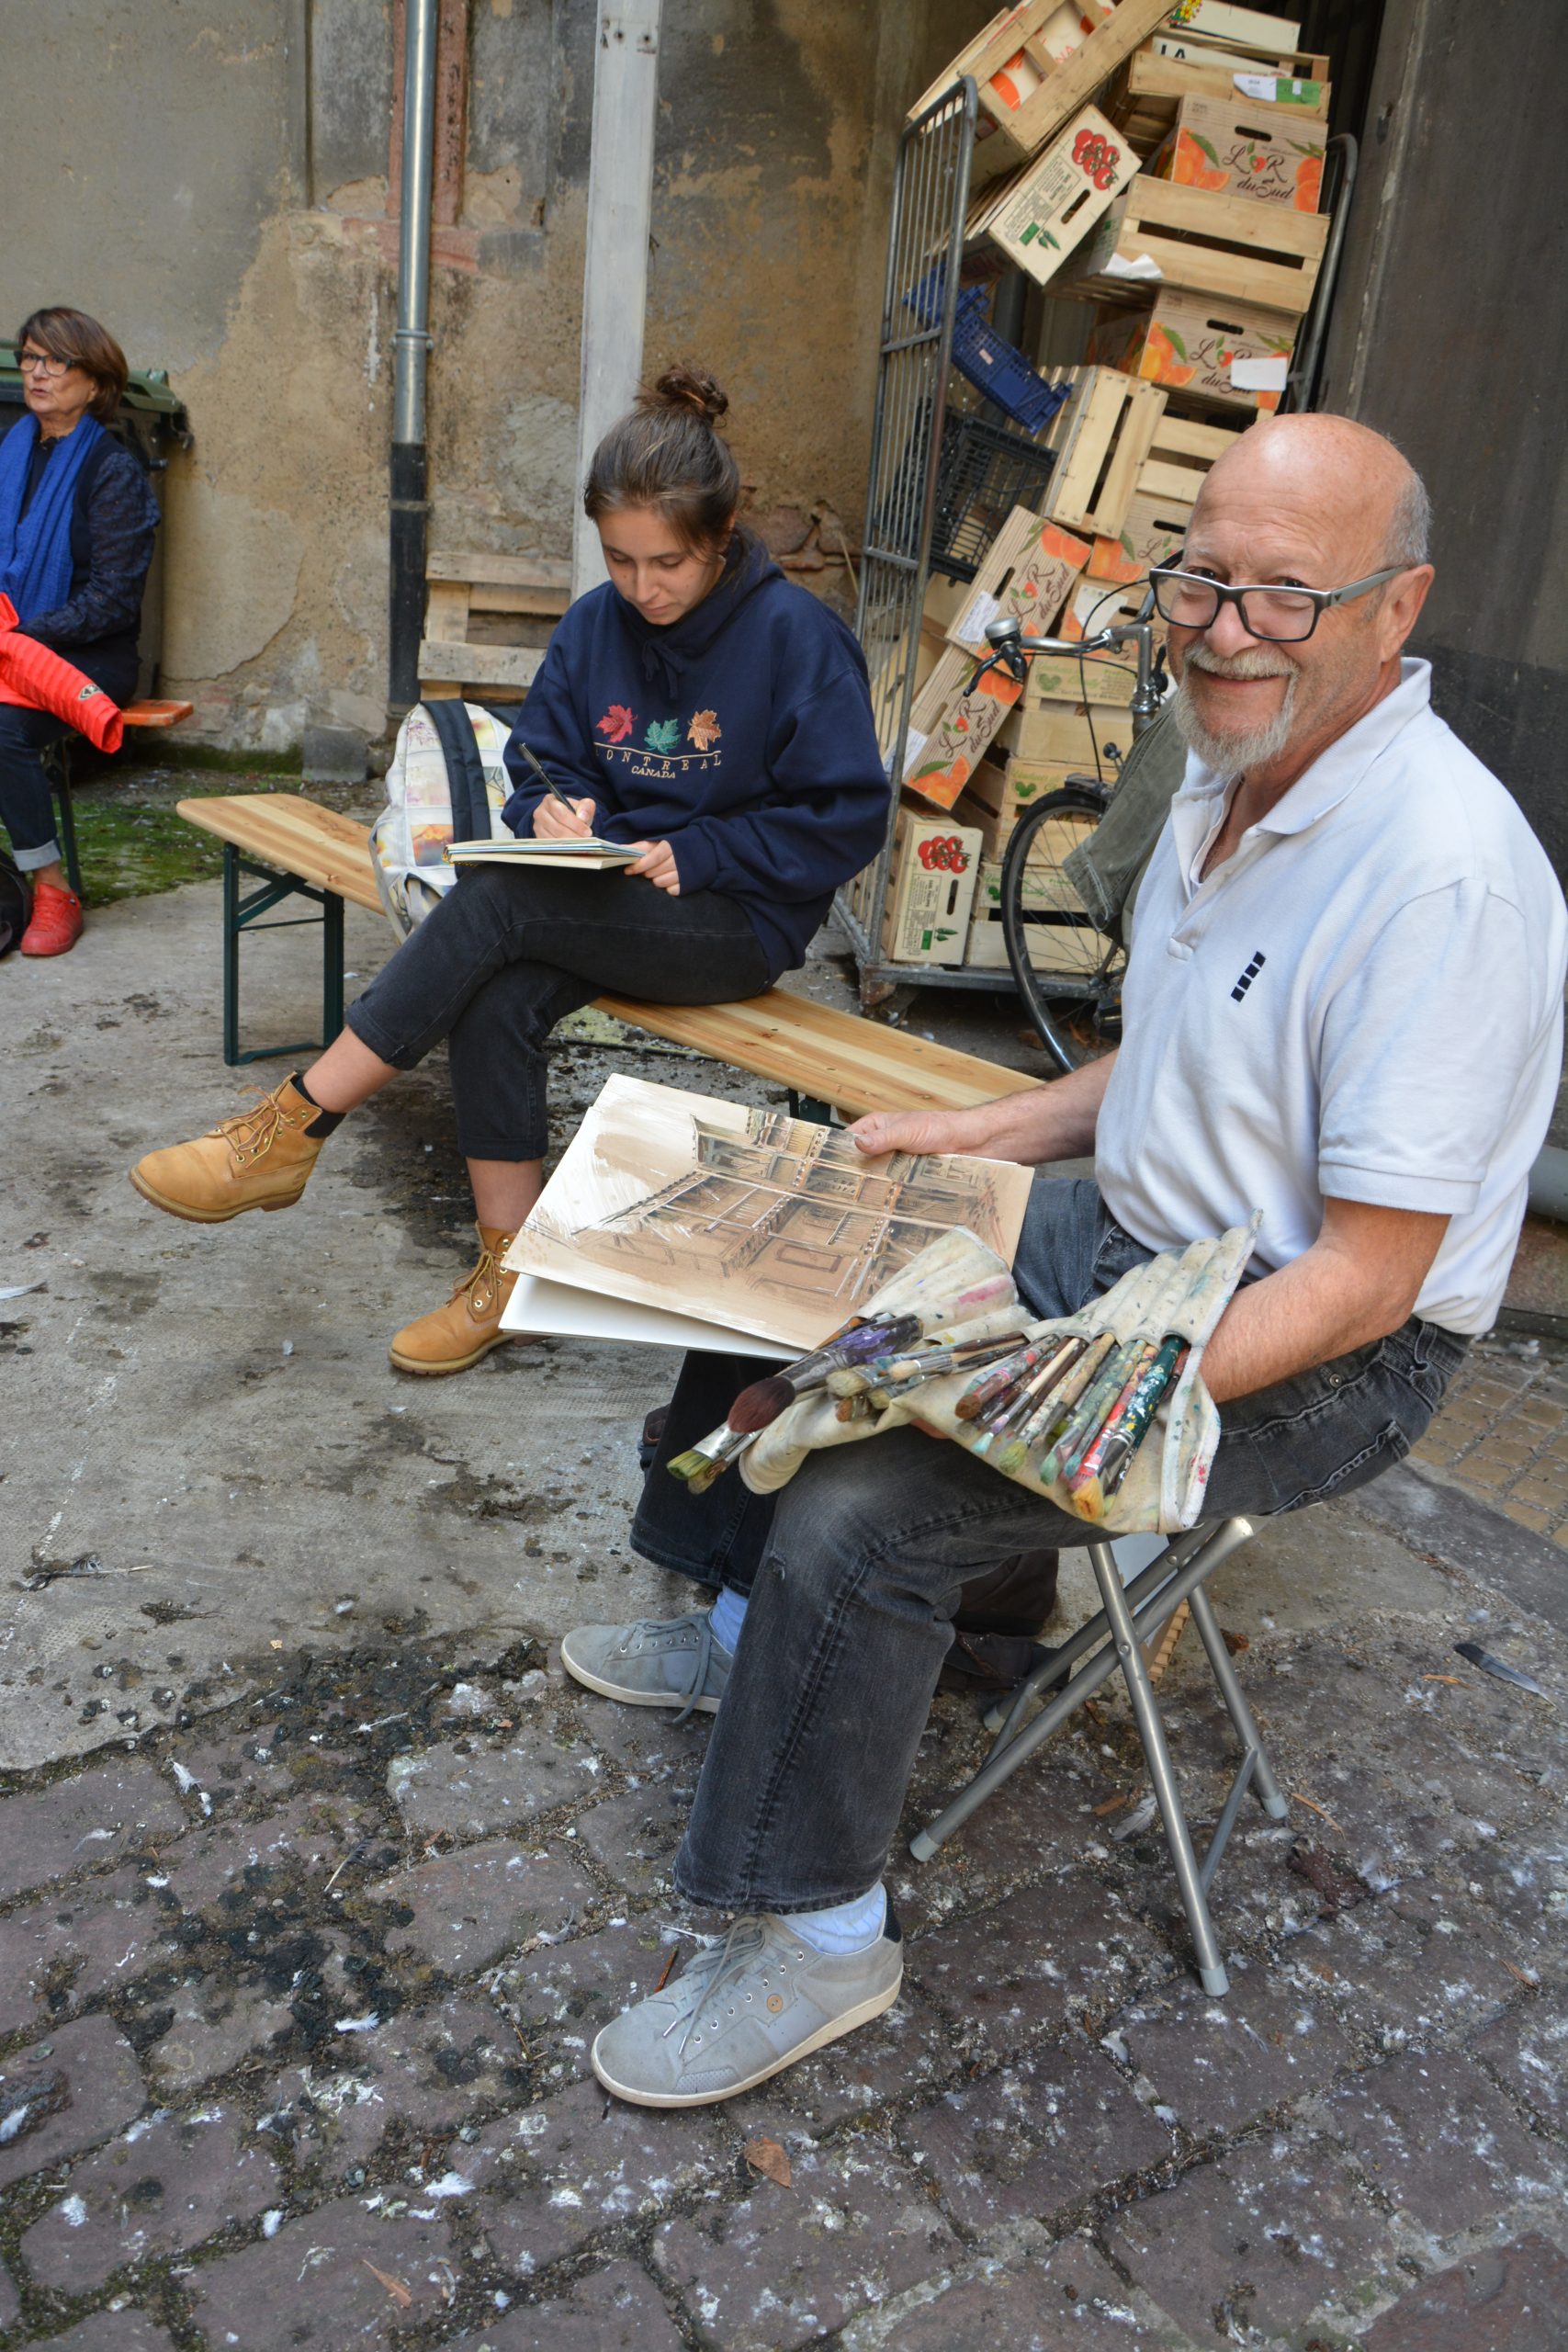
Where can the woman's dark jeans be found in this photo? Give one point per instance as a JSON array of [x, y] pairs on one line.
[[26, 810], [507, 955], [869, 1544]]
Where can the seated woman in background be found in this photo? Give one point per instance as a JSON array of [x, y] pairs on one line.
[[77, 524], [698, 706]]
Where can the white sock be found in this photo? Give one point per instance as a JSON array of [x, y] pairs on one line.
[[727, 1616], [847, 1927]]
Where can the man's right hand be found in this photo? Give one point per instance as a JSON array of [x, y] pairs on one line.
[[883, 1131], [553, 823]]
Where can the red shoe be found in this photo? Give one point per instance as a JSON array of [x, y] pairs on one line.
[[56, 925]]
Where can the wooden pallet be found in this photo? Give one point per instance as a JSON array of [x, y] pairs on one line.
[[1228, 246], [1101, 439], [460, 586], [1015, 133]]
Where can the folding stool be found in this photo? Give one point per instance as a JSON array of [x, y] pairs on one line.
[[1129, 1616]]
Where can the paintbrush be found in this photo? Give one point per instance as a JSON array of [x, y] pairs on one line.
[[1139, 1419], [1009, 1414], [700, 1464], [982, 1393], [1093, 1405], [1051, 1413], [1085, 1480], [1087, 1445], [857, 1344], [548, 781]]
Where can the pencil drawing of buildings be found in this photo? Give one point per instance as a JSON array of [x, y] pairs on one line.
[[789, 1207]]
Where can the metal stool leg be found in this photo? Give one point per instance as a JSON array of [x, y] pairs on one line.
[[1151, 1731], [1272, 1798]]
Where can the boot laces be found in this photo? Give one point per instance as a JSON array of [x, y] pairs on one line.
[[478, 1282], [251, 1133]]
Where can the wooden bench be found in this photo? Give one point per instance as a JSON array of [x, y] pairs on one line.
[[294, 847], [57, 764], [459, 586]]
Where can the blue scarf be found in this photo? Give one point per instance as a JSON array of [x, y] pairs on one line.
[[35, 550]]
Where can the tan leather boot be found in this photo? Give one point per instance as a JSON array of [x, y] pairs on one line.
[[259, 1159], [453, 1337]]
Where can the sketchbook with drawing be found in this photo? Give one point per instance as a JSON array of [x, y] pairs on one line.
[[685, 1221], [588, 853]]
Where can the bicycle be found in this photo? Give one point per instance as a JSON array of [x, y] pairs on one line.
[[1057, 953]]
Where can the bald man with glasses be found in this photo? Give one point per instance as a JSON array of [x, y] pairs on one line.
[[1343, 1007]]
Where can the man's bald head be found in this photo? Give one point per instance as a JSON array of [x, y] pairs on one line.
[[1298, 501], [1353, 478]]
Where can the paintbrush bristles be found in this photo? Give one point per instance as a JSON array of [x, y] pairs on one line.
[[756, 1407]]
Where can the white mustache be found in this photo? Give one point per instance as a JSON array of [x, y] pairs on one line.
[[1254, 663]]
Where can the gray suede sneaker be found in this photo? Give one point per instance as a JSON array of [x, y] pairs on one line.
[[744, 2008], [657, 1662]]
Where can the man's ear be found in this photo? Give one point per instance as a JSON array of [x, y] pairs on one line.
[[1401, 609]]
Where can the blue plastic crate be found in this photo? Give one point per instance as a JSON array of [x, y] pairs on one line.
[[996, 369]]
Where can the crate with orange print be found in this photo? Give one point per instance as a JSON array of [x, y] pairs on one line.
[[1226, 247], [1108, 679], [1034, 67], [933, 869], [955, 719], [1233, 353], [1029, 573], [1044, 211], [1157, 517], [1258, 152]]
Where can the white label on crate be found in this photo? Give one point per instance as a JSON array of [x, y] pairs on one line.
[[976, 616], [1261, 375], [1257, 85], [914, 744], [1141, 265]]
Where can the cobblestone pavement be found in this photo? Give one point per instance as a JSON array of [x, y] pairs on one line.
[[1503, 1431], [317, 1878], [296, 2000]]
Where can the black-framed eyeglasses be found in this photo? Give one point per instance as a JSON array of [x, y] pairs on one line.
[[44, 363], [1280, 616]]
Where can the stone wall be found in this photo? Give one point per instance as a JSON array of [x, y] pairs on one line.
[[210, 177]]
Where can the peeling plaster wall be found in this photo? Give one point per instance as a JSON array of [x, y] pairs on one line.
[[215, 189]]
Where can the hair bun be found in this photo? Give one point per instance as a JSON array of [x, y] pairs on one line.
[[689, 388]]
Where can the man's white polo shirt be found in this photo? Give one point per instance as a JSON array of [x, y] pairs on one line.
[[1364, 1002]]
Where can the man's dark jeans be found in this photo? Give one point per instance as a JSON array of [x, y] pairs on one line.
[[507, 955], [866, 1550]]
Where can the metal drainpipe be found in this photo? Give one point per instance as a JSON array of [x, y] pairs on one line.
[[410, 512]]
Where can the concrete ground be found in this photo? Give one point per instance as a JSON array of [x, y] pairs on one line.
[[317, 1877]]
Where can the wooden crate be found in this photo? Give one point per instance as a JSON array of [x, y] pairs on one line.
[[1104, 603], [1159, 516], [1100, 440], [1225, 246], [1191, 343], [1255, 31], [526, 588], [1180, 456], [1077, 949], [1016, 122], [1151, 86], [1001, 790], [1027, 575], [1240, 148], [1061, 678], [1044, 211], [952, 725], [1153, 532], [1066, 734], [934, 866]]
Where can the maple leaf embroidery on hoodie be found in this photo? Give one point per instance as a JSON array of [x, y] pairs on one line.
[[617, 722], [663, 734], [704, 729]]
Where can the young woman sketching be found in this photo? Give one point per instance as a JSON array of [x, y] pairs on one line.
[[698, 706]]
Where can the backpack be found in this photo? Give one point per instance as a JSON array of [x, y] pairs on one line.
[[446, 783], [15, 903]]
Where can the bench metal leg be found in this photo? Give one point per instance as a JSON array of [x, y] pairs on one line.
[[57, 763], [244, 914]]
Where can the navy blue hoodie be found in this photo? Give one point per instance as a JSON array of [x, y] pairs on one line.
[[741, 734]]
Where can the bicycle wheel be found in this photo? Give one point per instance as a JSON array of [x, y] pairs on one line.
[[1067, 971]]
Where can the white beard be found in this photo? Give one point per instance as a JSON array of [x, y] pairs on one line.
[[1233, 754]]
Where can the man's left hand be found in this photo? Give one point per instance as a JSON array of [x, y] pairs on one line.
[[656, 865]]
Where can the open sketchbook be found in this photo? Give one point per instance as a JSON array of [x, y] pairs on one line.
[[683, 1221], [590, 855]]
